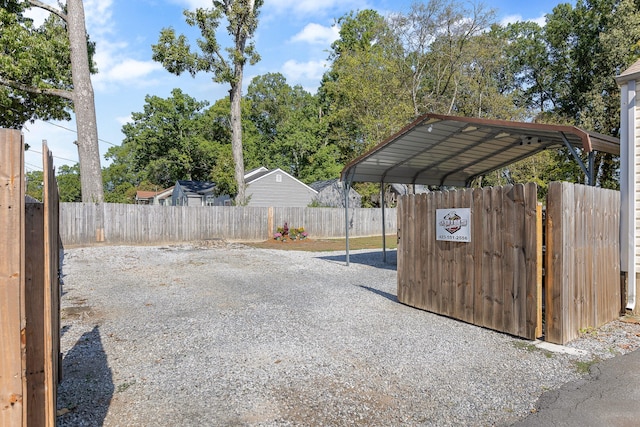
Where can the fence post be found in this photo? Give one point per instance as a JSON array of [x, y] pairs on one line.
[[12, 309]]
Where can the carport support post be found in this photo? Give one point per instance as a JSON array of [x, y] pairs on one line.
[[347, 187], [384, 234]]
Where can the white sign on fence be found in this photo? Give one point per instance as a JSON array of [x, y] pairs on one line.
[[453, 224]]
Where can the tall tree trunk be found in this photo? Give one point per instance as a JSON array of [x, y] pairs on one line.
[[84, 106], [236, 137]]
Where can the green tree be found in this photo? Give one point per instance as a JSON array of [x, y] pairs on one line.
[[363, 77], [589, 44], [164, 143], [291, 129], [35, 183], [43, 71], [69, 183], [176, 56]]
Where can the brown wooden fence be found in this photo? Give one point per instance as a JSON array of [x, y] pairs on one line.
[[145, 224], [495, 280], [29, 292], [583, 259]]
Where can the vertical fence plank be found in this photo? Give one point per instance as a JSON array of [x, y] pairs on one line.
[[35, 319], [509, 269], [478, 238], [468, 261], [52, 363], [12, 311], [401, 255]]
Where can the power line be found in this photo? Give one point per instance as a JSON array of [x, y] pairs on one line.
[[74, 131], [66, 128], [56, 157], [36, 167]]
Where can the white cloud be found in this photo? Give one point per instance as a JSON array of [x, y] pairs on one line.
[[317, 34], [98, 16], [301, 72], [123, 120], [131, 69]]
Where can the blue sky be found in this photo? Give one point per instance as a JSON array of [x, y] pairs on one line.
[[293, 38]]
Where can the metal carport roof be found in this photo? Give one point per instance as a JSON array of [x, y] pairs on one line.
[[451, 151]]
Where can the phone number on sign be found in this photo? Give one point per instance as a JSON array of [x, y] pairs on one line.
[[454, 238]]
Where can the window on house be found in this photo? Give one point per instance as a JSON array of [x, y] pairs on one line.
[[278, 178]]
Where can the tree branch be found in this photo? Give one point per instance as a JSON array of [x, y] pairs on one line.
[[66, 94], [58, 12]]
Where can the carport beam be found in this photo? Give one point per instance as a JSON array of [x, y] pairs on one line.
[[587, 172]]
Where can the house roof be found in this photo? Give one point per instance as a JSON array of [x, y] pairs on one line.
[[263, 173], [450, 150], [257, 174], [255, 171], [631, 73], [140, 194], [197, 187], [320, 185]]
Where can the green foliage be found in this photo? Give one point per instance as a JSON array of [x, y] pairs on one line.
[[35, 182], [363, 78], [176, 56], [163, 144], [68, 179], [290, 129], [35, 57]]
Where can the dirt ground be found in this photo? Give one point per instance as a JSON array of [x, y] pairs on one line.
[[321, 245]]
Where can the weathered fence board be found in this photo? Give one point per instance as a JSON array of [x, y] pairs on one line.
[[51, 243], [29, 292], [12, 304], [144, 224], [487, 281], [583, 259]]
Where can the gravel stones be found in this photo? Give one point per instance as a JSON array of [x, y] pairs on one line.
[[224, 334]]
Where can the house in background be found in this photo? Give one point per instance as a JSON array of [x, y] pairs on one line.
[[162, 197], [266, 187], [197, 193], [331, 194]]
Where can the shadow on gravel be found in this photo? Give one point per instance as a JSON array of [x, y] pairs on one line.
[[387, 295], [86, 390], [373, 259]]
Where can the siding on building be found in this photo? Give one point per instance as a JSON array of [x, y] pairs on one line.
[[278, 188]]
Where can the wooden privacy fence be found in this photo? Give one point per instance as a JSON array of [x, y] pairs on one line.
[[29, 292], [495, 280], [582, 259], [134, 224]]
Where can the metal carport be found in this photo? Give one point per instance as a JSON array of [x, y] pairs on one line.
[[452, 151]]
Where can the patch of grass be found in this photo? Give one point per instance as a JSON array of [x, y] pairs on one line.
[[124, 386], [590, 331], [322, 245], [526, 346], [583, 367]]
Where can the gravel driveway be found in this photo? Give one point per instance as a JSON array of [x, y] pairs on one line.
[[227, 335]]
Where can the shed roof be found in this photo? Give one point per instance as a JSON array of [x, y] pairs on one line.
[[450, 150]]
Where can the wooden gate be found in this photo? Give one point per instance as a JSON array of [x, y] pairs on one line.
[[29, 292], [582, 280], [495, 279]]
